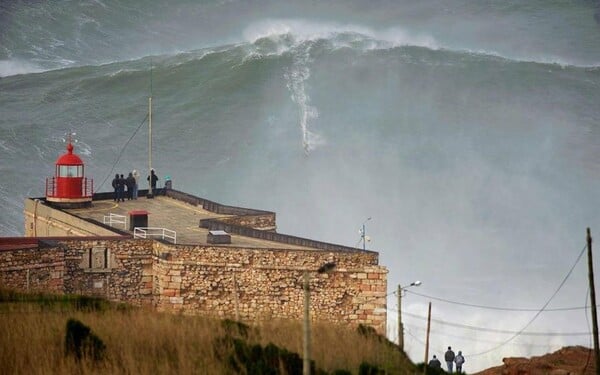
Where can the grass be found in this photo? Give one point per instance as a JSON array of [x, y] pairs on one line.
[[140, 341]]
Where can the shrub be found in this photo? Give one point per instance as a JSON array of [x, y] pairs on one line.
[[81, 342]]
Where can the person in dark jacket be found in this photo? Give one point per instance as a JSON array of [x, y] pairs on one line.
[[153, 178], [435, 363], [122, 188], [449, 357], [115, 185]]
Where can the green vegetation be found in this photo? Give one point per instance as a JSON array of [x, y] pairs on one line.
[[58, 334]]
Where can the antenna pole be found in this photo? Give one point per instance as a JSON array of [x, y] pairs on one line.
[[150, 192]]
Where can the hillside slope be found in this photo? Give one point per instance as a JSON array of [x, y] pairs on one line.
[[570, 360]]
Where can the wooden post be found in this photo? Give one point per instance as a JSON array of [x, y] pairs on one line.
[[235, 298], [306, 326], [400, 325], [427, 340], [593, 300]]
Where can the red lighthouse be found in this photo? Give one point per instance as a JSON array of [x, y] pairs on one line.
[[69, 187]]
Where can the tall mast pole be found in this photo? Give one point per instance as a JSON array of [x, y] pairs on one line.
[[150, 192]]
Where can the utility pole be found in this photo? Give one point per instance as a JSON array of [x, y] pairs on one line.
[[306, 326], [593, 300], [427, 340], [235, 299], [400, 325]]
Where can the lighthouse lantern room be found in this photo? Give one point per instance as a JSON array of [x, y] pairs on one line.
[[69, 187]]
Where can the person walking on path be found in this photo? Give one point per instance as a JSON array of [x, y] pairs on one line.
[[459, 360], [130, 183], [136, 176], [435, 363], [449, 357]]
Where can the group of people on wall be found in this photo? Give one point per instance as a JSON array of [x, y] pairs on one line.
[[127, 187], [451, 359]]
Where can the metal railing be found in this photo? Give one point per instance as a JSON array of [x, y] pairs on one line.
[[111, 219], [145, 232]]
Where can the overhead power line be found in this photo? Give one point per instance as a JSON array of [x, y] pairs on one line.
[[494, 307], [520, 332], [478, 339], [484, 329]]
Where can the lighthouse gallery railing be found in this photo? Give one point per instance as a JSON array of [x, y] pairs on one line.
[[87, 188]]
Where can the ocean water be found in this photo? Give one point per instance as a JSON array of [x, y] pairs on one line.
[[468, 131]]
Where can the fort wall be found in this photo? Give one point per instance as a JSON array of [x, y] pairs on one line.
[[249, 284], [33, 268], [259, 284]]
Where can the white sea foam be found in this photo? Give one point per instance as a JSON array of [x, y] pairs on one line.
[[299, 30], [296, 76], [303, 30], [15, 67]]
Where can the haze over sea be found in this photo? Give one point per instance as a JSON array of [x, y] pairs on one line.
[[468, 130]]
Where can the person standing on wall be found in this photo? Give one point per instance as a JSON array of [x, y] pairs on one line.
[[153, 179], [136, 176], [115, 185], [130, 183], [122, 188], [449, 357]]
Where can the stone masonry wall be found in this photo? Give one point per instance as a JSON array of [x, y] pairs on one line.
[[252, 284], [32, 269], [121, 270], [268, 283]]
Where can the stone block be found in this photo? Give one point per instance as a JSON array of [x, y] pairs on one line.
[[176, 300]]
